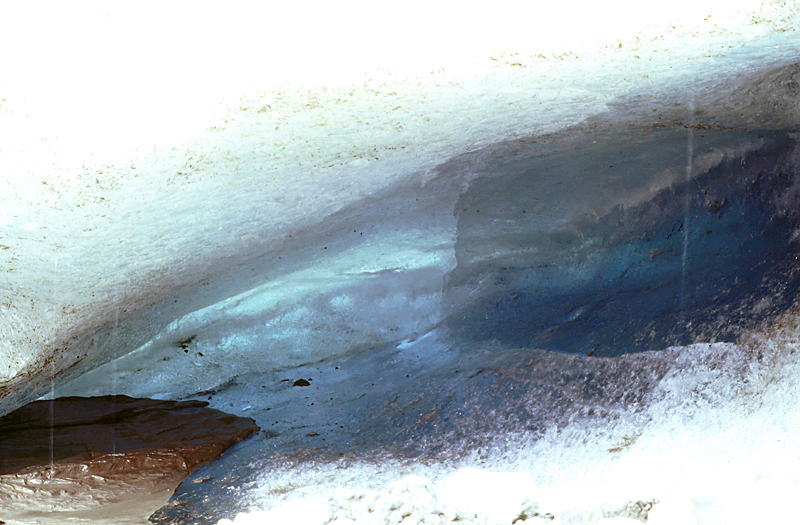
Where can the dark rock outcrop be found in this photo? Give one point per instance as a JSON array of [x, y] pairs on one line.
[[78, 436]]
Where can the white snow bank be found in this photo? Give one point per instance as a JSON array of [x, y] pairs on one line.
[[497, 497], [411, 499], [470, 496], [618, 521], [676, 511], [315, 511]]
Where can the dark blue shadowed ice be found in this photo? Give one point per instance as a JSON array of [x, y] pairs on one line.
[[702, 260]]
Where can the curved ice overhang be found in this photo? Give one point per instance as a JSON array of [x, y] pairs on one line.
[[154, 166]]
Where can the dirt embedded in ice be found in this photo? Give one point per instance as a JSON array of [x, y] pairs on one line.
[[105, 458]]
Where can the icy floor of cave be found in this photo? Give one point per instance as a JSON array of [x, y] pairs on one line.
[[709, 453]]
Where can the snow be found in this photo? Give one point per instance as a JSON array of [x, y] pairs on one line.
[[469, 496], [497, 497], [302, 512], [677, 511]]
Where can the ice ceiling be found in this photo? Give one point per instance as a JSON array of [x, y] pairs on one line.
[[224, 199]]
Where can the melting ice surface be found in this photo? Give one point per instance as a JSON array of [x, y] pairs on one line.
[[607, 314]]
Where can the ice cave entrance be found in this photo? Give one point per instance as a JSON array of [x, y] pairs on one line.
[[473, 312], [575, 264]]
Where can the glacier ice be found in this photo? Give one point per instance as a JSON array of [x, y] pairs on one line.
[[576, 262], [333, 376]]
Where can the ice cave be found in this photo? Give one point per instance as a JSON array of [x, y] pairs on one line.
[[414, 264]]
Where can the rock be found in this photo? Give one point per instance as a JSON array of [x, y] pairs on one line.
[[80, 453]]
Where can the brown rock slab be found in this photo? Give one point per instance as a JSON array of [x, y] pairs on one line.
[[77, 455]]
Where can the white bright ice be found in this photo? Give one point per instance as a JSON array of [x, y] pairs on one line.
[[177, 171]]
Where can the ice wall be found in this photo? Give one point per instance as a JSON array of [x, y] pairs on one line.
[[615, 246], [436, 345], [130, 201]]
